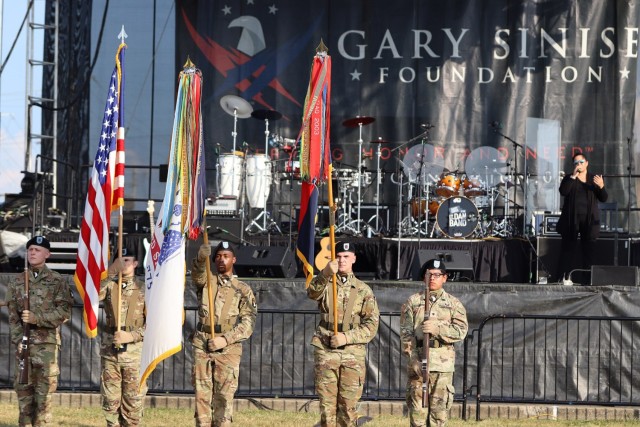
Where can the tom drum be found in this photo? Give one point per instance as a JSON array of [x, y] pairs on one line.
[[448, 185]]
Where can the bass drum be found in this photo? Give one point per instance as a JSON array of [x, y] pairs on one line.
[[258, 180], [230, 175], [457, 217]]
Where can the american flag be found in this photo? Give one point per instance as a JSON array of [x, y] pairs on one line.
[[106, 192]]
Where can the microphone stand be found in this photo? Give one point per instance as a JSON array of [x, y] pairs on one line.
[[496, 129], [629, 167]]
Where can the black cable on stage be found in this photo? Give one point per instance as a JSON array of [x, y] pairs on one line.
[[86, 82], [26, 15]]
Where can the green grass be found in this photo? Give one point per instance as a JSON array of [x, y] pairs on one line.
[[92, 416]]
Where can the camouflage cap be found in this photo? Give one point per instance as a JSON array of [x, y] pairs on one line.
[[39, 241]]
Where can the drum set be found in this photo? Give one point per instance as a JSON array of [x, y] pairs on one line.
[[456, 204], [433, 201]]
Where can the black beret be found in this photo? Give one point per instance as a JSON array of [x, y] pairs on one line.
[[39, 241], [224, 246], [432, 264], [128, 250], [345, 247]]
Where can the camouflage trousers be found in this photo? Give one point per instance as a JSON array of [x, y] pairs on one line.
[[440, 397], [215, 381], [34, 398], [339, 377], [122, 401]]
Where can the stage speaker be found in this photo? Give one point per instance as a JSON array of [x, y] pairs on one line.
[[220, 228], [607, 275], [549, 251], [265, 261], [455, 260]]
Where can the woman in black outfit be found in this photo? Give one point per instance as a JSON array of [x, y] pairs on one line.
[[580, 215]]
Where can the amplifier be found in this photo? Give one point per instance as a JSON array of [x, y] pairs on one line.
[[223, 206]]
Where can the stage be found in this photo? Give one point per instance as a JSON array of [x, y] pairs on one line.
[[514, 260]]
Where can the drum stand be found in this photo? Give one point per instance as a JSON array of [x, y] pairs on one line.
[[265, 115], [345, 222]]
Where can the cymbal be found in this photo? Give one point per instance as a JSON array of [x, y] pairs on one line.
[[232, 103], [380, 140], [357, 121], [266, 115], [420, 160]]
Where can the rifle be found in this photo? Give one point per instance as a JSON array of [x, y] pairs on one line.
[[23, 353], [425, 347]]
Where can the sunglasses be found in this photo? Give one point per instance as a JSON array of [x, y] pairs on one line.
[[579, 162]]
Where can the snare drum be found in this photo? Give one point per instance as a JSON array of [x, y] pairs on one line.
[[230, 175], [473, 186], [259, 180], [448, 185], [457, 217]]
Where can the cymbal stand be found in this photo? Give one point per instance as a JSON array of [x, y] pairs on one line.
[[359, 173], [400, 174], [266, 158], [234, 135], [378, 182]]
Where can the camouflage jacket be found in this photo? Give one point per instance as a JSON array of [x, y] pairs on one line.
[[365, 315], [232, 295], [50, 301], [131, 318], [452, 327]]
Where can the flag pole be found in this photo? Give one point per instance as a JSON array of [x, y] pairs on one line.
[[122, 36], [332, 239], [205, 238], [322, 49]]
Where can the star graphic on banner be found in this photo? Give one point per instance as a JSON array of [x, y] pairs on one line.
[[273, 9], [624, 73], [249, 1], [226, 10], [355, 75]]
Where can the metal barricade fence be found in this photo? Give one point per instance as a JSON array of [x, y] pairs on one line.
[[508, 358], [276, 361], [554, 360]]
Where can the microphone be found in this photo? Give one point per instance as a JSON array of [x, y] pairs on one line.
[[427, 126], [495, 124]]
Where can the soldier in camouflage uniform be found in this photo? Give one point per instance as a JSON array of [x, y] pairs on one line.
[[121, 350], [50, 304], [446, 325], [216, 360], [340, 359]]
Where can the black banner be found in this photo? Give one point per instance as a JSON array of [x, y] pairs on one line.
[[472, 72]]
